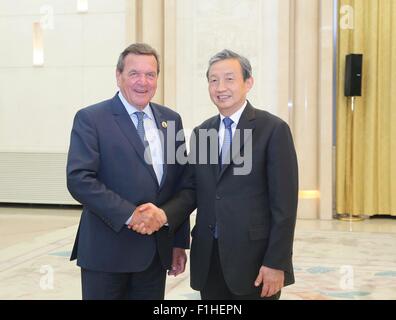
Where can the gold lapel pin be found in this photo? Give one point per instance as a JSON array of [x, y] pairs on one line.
[[164, 124]]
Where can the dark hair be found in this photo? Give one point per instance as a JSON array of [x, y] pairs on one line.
[[138, 49], [228, 54]]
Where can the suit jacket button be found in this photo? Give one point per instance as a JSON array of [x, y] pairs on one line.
[[218, 197]]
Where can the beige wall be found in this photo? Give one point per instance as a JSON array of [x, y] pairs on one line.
[[290, 46], [288, 42], [37, 104], [204, 28], [306, 84]]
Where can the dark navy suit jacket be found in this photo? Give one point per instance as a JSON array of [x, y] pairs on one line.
[[107, 174]]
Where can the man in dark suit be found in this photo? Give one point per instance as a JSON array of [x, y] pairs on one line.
[[243, 236], [115, 163]]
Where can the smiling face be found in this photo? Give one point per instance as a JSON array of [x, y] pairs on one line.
[[138, 80], [227, 89]]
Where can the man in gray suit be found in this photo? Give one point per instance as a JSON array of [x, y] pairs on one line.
[[117, 161], [242, 241]]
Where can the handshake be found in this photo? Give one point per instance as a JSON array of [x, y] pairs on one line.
[[147, 218]]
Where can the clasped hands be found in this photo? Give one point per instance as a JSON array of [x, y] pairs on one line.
[[147, 218]]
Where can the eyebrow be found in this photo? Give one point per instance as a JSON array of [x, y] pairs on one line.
[[137, 71], [227, 74]]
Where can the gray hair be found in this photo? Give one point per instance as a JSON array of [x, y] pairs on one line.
[[138, 49], [228, 54]]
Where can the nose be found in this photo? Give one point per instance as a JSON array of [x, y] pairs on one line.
[[221, 85], [142, 78]]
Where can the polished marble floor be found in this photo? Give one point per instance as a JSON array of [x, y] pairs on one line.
[[332, 259]]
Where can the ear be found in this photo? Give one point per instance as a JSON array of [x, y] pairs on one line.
[[118, 76], [249, 83]]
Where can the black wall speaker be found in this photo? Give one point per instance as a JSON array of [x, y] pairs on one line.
[[353, 75]]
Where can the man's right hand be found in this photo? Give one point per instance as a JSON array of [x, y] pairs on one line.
[[147, 218]]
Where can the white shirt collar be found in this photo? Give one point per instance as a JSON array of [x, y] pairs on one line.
[[235, 116], [132, 109]]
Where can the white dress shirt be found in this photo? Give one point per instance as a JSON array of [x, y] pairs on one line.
[[234, 117], [152, 135]]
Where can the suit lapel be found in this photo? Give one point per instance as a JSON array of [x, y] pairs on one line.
[[127, 127], [215, 123], [246, 123]]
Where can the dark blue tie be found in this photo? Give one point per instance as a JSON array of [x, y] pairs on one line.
[[140, 127], [225, 155]]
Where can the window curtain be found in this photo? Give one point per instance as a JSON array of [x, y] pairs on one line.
[[366, 137]]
